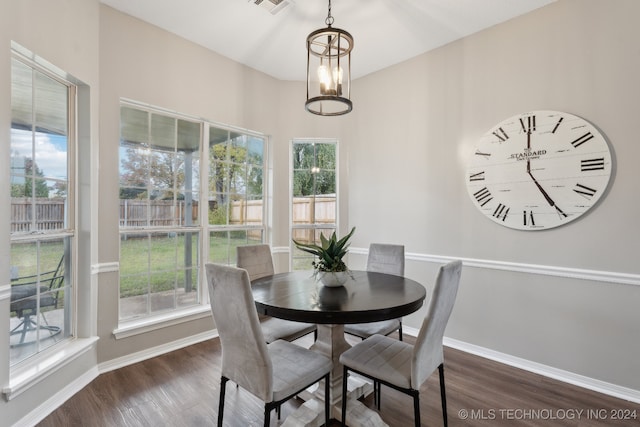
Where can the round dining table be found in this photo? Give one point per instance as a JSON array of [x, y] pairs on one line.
[[364, 297]]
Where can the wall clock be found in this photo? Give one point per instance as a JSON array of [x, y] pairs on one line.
[[538, 170]]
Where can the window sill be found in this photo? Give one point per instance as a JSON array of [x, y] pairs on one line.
[[140, 326], [31, 372]]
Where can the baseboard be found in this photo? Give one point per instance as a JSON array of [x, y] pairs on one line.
[[599, 386], [132, 358], [58, 399]]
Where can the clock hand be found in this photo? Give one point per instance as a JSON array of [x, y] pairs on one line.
[[544, 193]]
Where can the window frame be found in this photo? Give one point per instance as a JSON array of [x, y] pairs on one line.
[[315, 226], [68, 233], [142, 324], [153, 319]]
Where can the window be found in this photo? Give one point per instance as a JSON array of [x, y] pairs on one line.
[[162, 212], [314, 198], [236, 192], [159, 211], [43, 234]]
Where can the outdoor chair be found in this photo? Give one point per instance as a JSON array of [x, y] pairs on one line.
[[30, 295]]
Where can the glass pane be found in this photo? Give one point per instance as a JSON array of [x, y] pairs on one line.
[[187, 254], [51, 105], [254, 180], [325, 182], [326, 156], [255, 150], [325, 210], [134, 126], [237, 179], [254, 212], [303, 156], [162, 171], [187, 290], [39, 284], [218, 139], [163, 249], [219, 177], [303, 183], [134, 168], [134, 257], [133, 213], [219, 247], [163, 133], [302, 211], [219, 210], [188, 136], [163, 295], [21, 98]]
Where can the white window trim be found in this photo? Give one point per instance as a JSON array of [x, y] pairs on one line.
[[39, 367], [146, 324]]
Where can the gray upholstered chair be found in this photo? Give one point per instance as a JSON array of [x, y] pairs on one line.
[[272, 372], [403, 366], [383, 258], [257, 260]]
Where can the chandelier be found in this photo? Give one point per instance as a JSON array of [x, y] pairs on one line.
[[329, 70]]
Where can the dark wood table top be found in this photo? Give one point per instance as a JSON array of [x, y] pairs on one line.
[[365, 297]]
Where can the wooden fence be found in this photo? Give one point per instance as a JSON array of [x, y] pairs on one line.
[[133, 213], [50, 213]]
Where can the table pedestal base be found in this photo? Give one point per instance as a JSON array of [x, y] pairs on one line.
[[332, 344]]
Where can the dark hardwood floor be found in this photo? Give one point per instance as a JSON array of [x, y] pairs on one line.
[[181, 389]]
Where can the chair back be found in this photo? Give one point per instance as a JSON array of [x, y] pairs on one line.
[[256, 259], [245, 358], [427, 351], [385, 258]]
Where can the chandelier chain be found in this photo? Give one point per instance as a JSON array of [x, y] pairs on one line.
[[329, 19]]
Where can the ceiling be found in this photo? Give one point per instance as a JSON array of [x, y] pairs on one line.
[[385, 32]]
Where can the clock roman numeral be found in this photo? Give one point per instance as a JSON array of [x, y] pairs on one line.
[[477, 176], [584, 138], [528, 124], [592, 164], [501, 212], [527, 217], [483, 196], [501, 134], [585, 191], [555, 128]]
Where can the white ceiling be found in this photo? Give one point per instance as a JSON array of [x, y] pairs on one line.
[[385, 32]]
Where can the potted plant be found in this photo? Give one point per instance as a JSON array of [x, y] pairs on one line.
[[329, 266]]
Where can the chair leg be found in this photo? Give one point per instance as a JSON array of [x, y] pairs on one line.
[[345, 373], [416, 407], [267, 415], [327, 398], [443, 395], [223, 383], [315, 335], [400, 331]]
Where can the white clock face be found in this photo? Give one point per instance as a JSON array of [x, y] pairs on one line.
[[538, 170]]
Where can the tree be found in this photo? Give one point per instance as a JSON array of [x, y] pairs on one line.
[[314, 169], [156, 171], [33, 179]]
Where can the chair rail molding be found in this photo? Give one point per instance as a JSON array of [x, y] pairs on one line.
[[105, 267], [547, 270]]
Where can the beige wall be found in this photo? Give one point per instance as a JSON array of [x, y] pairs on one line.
[[65, 34], [405, 144], [415, 126]]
